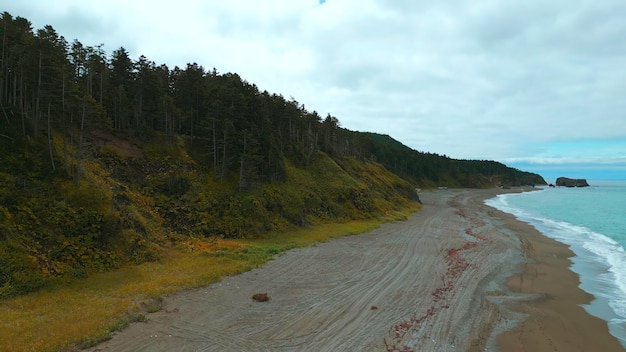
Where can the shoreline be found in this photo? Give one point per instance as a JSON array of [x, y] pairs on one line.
[[457, 275], [556, 320]]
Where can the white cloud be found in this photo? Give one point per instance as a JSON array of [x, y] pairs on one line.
[[617, 161]]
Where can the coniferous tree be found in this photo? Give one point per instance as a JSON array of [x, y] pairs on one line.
[[121, 82]]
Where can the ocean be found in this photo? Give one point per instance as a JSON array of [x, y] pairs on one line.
[[592, 221]]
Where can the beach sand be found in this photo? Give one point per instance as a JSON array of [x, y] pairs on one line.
[[456, 276], [556, 320]]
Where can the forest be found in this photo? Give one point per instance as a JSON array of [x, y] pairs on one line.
[[105, 160]]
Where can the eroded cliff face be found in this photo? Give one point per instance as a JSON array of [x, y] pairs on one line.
[[571, 182]]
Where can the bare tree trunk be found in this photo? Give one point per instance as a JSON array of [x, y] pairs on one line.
[[118, 109], [63, 126], [223, 173], [5, 114], [80, 149], [11, 95], [50, 139], [3, 76], [90, 84], [140, 112], [191, 131], [101, 85], [165, 122], [214, 150], [242, 181], [22, 104], [15, 88], [36, 114]]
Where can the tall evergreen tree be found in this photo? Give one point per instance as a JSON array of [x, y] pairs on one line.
[[121, 81]]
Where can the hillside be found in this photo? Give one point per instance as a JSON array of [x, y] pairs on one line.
[[105, 161], [429, 169], [133, 200]]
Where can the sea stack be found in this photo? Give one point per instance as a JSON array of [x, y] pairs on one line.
[[571, 182]]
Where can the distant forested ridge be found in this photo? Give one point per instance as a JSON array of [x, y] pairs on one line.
[[432, 169], [105, 159]]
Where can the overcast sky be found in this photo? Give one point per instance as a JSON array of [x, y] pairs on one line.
[[539, 85]]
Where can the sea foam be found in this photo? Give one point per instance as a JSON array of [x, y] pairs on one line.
[[599, 260]]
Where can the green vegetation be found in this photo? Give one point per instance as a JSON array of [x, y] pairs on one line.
[[128, 210], [63, 317], [106, 162], [122, 181], [432, 170]]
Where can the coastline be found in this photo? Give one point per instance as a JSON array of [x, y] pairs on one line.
[[556, 321], [458, 275]]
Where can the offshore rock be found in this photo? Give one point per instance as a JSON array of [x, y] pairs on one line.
[[571, 182]]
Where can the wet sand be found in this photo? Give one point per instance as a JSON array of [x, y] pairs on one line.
[[456, 276], [557, 321]]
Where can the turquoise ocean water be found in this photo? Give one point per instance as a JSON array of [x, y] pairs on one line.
[[592, 221]]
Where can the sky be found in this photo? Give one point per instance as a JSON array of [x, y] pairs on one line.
[[537, 85]]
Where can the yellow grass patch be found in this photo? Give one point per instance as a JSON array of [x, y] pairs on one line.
[[82, 312]]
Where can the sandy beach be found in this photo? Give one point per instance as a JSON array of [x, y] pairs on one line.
[[456, 276]]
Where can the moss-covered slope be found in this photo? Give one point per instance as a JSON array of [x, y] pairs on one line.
[[134, 198]]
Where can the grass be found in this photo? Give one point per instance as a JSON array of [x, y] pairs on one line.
[[80, 313]]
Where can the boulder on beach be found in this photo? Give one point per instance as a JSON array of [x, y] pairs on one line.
[[571, 182]]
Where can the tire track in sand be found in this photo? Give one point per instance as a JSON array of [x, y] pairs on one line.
[[343, 295], [408, 334]]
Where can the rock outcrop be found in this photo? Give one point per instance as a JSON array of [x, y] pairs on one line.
[[571, 182]]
